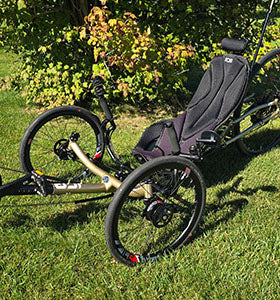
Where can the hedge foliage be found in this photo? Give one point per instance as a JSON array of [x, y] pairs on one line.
[[142, 48]]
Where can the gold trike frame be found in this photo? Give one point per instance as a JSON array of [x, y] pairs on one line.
[[109, 182], [38, 183]]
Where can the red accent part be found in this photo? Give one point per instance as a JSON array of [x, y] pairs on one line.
[[97, 156], [187, 171], [29, 142], [159, 201], [133, 258]]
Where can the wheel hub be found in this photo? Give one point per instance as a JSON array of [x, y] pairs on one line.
[[159, 213]]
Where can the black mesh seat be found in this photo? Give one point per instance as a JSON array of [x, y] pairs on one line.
[[218, 95]]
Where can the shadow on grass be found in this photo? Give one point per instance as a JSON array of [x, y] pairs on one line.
[[246, 192], [233, 208], [223, 165], [19, 220], [60, 221], [81, 215], [223, 212]]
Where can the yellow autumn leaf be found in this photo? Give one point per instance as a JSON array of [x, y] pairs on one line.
[[43, 49], [184, 54], [130, 15], [112, 22], [95, 53], [121, 23], [83, 33]]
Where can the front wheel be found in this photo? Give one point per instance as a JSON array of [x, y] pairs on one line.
[[141, 229], [44, 145], [263, 88]]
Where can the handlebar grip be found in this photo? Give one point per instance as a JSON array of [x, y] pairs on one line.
[[98, 83]]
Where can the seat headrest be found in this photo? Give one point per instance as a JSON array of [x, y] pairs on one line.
[[234, 45]]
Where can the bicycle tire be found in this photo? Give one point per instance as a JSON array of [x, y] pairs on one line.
[[169, 216], [264, 87], [41, 144]]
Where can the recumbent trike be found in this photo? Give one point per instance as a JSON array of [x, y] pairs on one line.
[[156, 207]]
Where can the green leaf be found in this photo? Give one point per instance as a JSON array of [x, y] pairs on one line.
[[21, 4]]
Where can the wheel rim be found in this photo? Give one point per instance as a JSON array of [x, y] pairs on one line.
[[265, 87], [147, 228], [48, 151]]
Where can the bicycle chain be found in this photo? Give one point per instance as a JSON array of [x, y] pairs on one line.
[[13, 170]]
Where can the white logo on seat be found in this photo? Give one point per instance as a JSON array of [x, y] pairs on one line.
[[228, 60]]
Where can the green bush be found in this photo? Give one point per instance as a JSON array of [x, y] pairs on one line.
[[137, 66], [143, 50]]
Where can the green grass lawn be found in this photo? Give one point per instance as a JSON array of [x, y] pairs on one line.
[[59, 252]]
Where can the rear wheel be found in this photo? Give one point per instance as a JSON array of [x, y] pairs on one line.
[[264, 88], [141, 229], [44, 143]]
